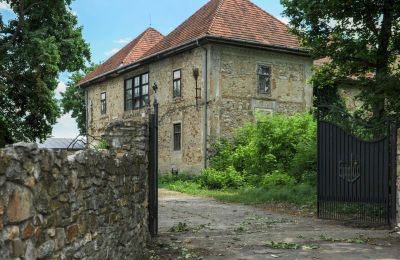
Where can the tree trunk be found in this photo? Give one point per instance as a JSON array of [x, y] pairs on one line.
[[383, 56]]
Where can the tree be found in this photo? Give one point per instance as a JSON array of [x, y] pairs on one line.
[[361, 40], [73, 99], [39, 43]]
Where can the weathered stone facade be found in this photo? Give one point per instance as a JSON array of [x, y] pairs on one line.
[[232, 101], [89, 205]]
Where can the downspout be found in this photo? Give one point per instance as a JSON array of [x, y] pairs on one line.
[[205, 80], [87, 114]]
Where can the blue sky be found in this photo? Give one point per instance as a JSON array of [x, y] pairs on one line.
[[109, 25]]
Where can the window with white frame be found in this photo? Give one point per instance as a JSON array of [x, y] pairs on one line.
[[103, 103], [264, 79], [177, 136], [137, 92], [176, 88]]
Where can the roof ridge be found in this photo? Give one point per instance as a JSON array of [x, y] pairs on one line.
[[221, 2], [140, 39]]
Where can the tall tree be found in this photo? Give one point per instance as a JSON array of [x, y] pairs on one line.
[[361, 40], [43, 40], [73, 99]]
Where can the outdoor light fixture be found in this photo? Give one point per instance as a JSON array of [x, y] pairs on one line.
[[198, 90], [155, 88], [174, 170]]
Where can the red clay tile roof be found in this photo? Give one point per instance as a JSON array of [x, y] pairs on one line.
[[227, 19], [132, 52], [230, 19]]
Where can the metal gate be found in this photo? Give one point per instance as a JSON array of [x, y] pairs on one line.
[[153, 168], [356, 171]]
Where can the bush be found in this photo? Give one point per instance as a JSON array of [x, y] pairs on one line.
[[214, 179], [278, 143], [277, 180]]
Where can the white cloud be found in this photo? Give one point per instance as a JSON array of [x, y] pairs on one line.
[[61, 87], [122, 41], [5, 6], [112, 52], [66, 127]]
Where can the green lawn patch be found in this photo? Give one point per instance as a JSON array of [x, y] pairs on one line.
[[300, 195]]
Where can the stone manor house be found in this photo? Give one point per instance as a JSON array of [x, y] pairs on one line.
[[214, 72]]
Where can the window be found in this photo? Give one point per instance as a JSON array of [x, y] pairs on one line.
[[103, 103], [177, 136], [264, 79], [176, 83], [137, 92]]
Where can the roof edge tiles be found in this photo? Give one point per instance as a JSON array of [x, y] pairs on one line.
[[237, 22]]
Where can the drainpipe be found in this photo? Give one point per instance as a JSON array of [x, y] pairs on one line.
[[205, 80], [87, 116]]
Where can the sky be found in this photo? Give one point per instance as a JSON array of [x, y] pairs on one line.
[[109, 25]]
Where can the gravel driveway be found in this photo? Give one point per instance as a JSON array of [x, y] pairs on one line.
[[202, 228]]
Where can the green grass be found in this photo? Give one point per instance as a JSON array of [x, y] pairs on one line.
[[300, 194]]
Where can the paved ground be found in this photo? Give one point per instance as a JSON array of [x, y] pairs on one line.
[[202, 228]]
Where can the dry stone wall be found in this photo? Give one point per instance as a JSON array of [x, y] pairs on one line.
[[89, 205]]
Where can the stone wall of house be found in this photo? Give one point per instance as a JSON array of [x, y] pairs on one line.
[[232, 98], [235, 85], [89, 205], [171, 110]]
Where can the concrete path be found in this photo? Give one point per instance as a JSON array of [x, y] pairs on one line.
[[202, 228]]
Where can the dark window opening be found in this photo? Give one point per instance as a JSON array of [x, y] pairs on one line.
[[177, 137], [176, 83], [137, 92], [103, 103], [264, 79]]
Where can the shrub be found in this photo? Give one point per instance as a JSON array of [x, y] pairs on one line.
[[278, 143], [277, 179], [214, 179]]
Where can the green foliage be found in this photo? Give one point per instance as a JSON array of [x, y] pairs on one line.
[[361, 40], [283, 245], [180, 227], [42, 40], [272, 160], [274, 144], [302, 194], [183, 177], [73, 99], [277, 180], [214, 179], [101, 145]]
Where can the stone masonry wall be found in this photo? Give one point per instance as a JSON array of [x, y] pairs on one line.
[[232, 97], [89, 205], [171, 110], [234, 86]]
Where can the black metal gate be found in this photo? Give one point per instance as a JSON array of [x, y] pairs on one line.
[[153, 168], [356, 171]]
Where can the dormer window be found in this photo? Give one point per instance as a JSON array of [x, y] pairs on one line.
[[264, 79]]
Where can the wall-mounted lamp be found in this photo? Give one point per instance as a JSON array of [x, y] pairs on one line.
[[155, 88], [198, 90]]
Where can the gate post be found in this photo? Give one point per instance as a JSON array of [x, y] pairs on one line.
[[153, 165], [394, 217]]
